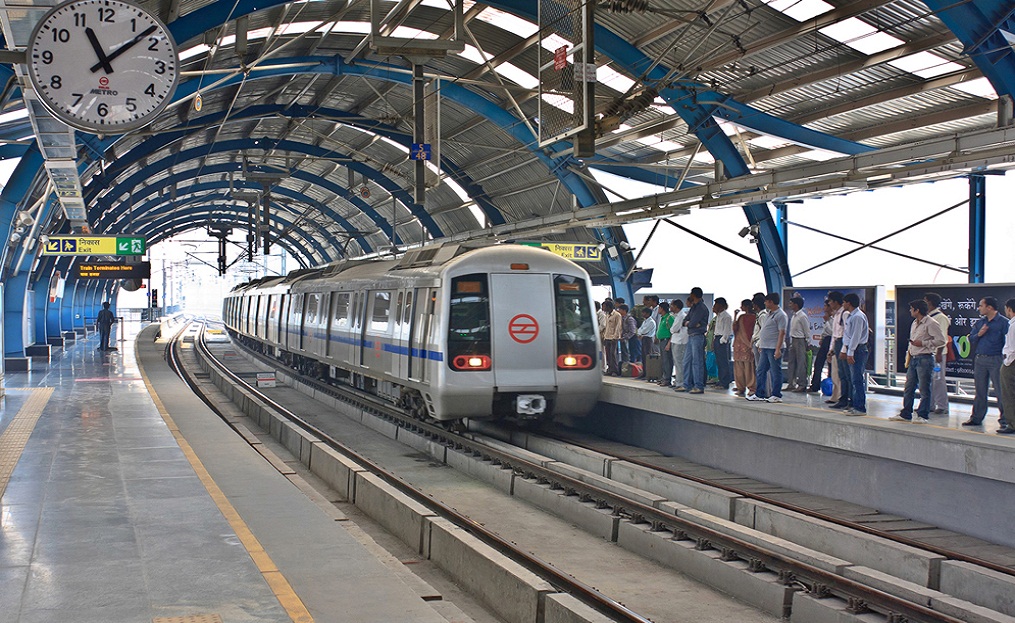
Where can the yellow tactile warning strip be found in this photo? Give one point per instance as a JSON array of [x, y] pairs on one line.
[[276, 581], [194, 618], [15, 437]]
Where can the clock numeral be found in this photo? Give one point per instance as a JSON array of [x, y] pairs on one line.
[[77, 98], [106, 15], [150, 90], [61, 35], [56, 82], [131, 104], [102, 109], [133, 24], [47, 57], [81, 20], [153, 44], [160, 67]]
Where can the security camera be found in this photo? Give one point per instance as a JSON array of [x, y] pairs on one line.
[[24, 219], [15, 237], [743, 232]]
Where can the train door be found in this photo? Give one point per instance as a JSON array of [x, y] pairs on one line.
[[523, 330], [419, 334], [338, 324], [361, 327], [283, 320], [403, 333]]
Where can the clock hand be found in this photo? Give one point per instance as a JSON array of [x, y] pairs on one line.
[[123, 48], [103, 61]]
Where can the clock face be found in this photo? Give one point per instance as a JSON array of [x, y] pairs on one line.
[[103, 66]]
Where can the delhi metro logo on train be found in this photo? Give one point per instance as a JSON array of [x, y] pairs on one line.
[[523, 328]]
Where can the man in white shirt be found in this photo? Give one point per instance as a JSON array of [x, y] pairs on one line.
[[939, 386], [647, 333], [1008, 368], [799, 338], [840, 371], [721, 342], [678, 343]]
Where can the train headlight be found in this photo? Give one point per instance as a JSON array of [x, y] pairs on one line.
[[574, 362], [467, 363]]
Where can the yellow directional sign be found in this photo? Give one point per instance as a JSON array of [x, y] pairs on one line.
[[94, 245], [571, 251]]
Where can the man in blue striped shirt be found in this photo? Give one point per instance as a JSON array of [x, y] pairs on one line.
[[987, 339], [854, 351]]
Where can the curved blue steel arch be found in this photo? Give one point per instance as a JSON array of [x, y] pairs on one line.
[[978, 25], [173, 160], [200, 124], [183, 220], [279, 215], [112, 218], [264, 143]]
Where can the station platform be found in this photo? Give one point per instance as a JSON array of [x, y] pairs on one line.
[[125, 499], [954, 477]]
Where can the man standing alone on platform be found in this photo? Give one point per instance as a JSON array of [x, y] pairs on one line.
[[987, 339], [939, 386], [694, 357], [925, 337], [771, 341], [105, 320], [1008, 367], [854, 351]]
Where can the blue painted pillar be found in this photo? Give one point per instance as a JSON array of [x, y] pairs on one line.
[[17, 309], [782, 227], [41, 302], [67, 305], [79, 305], [977, 227], [92, 303]]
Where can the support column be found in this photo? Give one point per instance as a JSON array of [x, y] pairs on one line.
[[16, 310], [782, 226], [977, 227]]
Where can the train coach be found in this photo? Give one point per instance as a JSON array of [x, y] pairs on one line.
[[446, 332]]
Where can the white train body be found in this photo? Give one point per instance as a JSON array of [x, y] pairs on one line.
[[451, 333]]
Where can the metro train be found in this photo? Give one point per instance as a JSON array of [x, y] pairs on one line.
[[447, 333]]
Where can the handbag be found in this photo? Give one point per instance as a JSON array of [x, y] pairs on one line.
[[950, 350]]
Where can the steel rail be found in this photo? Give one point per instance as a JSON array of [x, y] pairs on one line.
[[941, 551], [790, 571], [587, 594]]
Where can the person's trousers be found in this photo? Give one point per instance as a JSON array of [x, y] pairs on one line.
[[634, 346], [678, 352], [833, 355], [921, 367], [766, 390], [723, 363], [819, 362], [845, 384], [1008, 388], [610, 346], [858, 378], [986, 369], [625, 354], [745, 373], [104, 338], [666, 354], [770, 366], [646, 350], [694, 362], [797, 362], [939, 389]]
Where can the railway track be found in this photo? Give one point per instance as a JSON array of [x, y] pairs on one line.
[[814, 580]]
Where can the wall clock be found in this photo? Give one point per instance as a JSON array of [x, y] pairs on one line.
[[103, 66]]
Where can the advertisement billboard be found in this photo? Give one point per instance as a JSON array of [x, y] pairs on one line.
[[872, 303], [961, 303]]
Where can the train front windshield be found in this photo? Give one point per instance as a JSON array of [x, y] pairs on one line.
[[576, 335], [469, 321]]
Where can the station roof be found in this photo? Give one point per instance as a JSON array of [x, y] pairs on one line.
[[793, 97]]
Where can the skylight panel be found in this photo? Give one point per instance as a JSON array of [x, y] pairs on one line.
[[559, 101], [553, 42], [478, 214], [657, 143], [407, 32], [400, 147], [704, 157], [517, 75], [861, 36], [800, 10], [980, 87], [766, 141], [14, 115], [613, 79], [455, 186], [820, 155], [197, 50], [926, 65], [506, 21], [472, 53]]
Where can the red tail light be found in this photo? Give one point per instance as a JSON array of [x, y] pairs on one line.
[[574, 362], [471, 363]]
